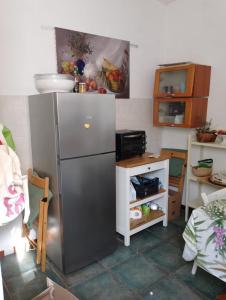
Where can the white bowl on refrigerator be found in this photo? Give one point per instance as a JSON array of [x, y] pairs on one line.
[[48, 83]]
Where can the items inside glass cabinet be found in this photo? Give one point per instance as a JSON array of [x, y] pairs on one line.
[[171, 112], [173, 82]]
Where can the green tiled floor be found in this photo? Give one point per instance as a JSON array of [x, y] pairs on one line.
[[151, 268], [138, 273], [172, 261], [103, 287]]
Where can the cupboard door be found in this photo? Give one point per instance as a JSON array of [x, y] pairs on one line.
[[198, 112], [187, 113], [174, 81], [201, 85]]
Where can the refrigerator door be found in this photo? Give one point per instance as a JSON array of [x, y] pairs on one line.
[[86, 124], [88, 208]]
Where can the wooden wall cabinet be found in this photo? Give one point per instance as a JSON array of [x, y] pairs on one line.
[[180, 95], [188, 80], [183, 112]]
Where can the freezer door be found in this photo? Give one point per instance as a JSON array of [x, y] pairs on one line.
[[86, 124], [88, 206]]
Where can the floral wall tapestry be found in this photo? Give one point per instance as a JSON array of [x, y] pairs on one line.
[[101, 62]]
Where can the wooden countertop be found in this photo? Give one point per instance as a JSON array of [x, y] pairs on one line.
[[140, 160]]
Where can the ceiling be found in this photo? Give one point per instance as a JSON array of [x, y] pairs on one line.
[[166, 2]]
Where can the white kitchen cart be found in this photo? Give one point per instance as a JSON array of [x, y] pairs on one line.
[[192, 143], [156, 167]]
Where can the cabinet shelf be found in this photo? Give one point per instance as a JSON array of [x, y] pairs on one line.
[[145, 220], [211, 145], [205, 180], [148, 199], [200, 180]]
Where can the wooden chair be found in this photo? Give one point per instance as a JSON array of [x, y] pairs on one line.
[[177, 181], [41, 221]]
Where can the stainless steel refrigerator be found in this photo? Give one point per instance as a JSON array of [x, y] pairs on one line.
[[73, 142]]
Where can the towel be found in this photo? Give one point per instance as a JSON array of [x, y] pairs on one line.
[[14, 196]]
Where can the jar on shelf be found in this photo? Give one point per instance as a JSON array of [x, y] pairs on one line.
[[82, 87]]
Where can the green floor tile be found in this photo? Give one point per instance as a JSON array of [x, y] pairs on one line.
[[13, 265], [103, 287], [180, 222], [204, 282], [177, 241], [143, 241], [26, 286], [6, 292], [171, 289], [122, 254], [165, 233], [166, 256], [138, 273], [83, 275]]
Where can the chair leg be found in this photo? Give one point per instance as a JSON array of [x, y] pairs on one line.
[[194, 268], [40, 233], [45, 215]]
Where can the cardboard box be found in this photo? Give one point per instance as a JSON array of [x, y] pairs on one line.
[[55, 292], [174, 205]]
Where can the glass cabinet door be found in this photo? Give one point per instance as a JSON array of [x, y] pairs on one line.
[[183, 112], [174, 81], [171, 112]]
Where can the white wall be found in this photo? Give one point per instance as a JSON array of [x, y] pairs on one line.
[[14, 114], [28, 47], [195, 32], [137, 114]]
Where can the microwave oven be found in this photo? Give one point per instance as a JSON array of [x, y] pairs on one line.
[[130, 143]]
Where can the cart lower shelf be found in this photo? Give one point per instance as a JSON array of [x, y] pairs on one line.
[[155, 214]]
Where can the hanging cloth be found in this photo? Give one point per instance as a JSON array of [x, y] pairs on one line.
[[6, 137], [13, 187]]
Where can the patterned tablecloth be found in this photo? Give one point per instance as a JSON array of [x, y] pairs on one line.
[[205, 238]]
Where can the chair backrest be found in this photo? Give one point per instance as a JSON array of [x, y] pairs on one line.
[[42, 183], [177, 181], [218, 195], [40, 215]]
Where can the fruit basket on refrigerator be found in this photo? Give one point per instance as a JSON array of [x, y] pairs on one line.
[[112, 76]]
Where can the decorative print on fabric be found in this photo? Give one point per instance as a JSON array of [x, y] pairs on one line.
[[13, 187], [205, 238], [219, 236]]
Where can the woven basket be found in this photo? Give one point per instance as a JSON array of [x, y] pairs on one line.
[[205, 137], [201, 172]]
